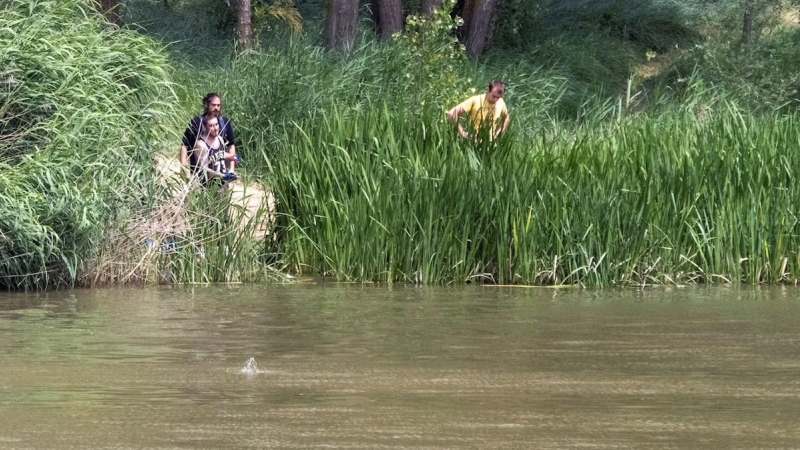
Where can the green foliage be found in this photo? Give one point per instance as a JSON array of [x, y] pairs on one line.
[[657, 24], [373, 183], [222, 15], [189, 29], [266, 16], [596, 45], [267, 91], [213, 248], [429, 55], [762, 73], [683, 197], [82, 103]]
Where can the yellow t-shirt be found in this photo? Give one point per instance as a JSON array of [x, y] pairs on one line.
[[478, 110]]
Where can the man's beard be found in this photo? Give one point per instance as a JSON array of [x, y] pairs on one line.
[[213, 113]]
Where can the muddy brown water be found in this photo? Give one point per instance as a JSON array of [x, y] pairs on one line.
[[373, 367]]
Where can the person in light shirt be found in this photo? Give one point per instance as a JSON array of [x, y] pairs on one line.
[[211, 153], [484, 112]]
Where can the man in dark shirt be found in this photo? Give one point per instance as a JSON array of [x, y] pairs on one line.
[[212, 106]]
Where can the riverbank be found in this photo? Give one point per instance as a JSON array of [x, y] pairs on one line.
[[681, 184]]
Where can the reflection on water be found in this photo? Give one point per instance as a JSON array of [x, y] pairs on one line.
[[341, 366]]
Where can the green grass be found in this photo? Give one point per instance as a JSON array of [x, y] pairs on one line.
[[589, 187], [82, 106], [382, 196], [676, 180]]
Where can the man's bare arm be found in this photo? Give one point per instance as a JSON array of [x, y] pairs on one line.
[[453, 114]]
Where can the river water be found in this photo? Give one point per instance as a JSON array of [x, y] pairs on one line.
[[376, 367]]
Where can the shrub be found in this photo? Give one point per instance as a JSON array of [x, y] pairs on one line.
[[82, 109]]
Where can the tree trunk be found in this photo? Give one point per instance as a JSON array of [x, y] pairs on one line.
[[340, 27], [244, 26], [375, 7], [479, 25], [464, 9], [390, 18], [747, 21], [109, 9], [430, 5]]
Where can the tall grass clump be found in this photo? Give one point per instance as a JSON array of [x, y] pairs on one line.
[[596, 45], [82, 105], [194, 234], [675, 198], [761, 72], [190, 31], [595, 183]]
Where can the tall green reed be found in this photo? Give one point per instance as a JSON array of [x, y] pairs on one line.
[[373, 184], [387, 196], [82, 104], [192, 234]]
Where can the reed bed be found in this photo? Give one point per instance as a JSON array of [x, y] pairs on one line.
[[381, 195], [83, 105], [370, 183], [191, 234], [677, 186]]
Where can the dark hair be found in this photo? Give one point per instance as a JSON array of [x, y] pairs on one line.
[[208, 118], [208, 97], [497, 84]]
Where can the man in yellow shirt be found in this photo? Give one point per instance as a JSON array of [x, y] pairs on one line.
[[486, 111]]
